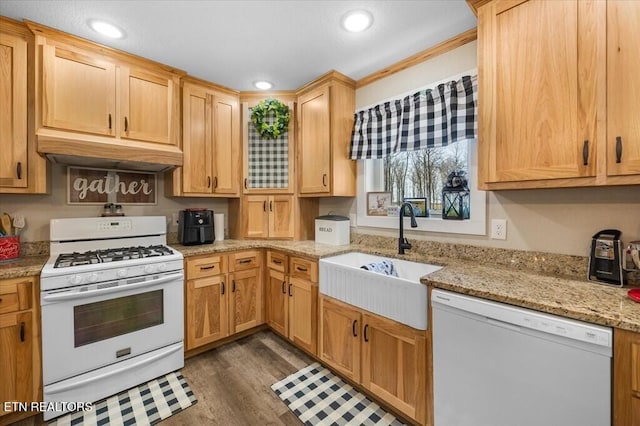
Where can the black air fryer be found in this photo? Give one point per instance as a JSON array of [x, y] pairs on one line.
[[195, 226]]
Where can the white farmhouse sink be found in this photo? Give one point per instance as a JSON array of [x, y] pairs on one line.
[[402, 298]]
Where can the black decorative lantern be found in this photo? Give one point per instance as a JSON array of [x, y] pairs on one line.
[[456, 197]]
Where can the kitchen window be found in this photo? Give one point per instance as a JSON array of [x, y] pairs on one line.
[[409, 147]]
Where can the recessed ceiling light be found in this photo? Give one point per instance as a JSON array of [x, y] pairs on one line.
[[357, 20], [263, 85], [106, 29]]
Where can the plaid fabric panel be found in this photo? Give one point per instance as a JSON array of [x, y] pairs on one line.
[[268, 160], [427, 119], [319, 398], [146, 404]]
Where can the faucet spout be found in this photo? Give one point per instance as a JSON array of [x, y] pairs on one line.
[[403, 243]]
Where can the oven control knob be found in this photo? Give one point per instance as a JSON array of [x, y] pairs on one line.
[[92, 277], [149, 269], [75, 279], [121, 273], [162, 267]]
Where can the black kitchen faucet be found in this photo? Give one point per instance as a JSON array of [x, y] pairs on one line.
[[403, 243]]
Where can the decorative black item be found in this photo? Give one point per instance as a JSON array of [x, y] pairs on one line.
[[456, 197]]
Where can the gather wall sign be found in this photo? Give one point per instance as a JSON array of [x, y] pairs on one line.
[[99, 186]]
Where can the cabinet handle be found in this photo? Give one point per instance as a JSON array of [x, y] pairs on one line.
[[22, 325], [204, 268], [215, 182], [233, 286], [222, 292], [618, 149], [270, 206], [585, 153], [276, 261], [324, 179], [126, 124], [264, 206], [19, 169], [301, 269], [365, 335], [245, 183], [290, 285], [354, 330], [244, 261], [109, 121], [208, 181], [284, 289]]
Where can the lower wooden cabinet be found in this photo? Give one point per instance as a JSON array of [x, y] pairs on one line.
[[384, 356], [20, 341], [223, 296], [626, 378], [292, 300]]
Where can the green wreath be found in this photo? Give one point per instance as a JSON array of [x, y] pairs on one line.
[[264, 108]]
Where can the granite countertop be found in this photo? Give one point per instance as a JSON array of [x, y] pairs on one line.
[[568, 297]]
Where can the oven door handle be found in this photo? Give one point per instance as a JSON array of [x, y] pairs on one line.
[[56, 297], [57, 388]]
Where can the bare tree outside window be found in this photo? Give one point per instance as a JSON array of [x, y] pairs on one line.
[[422, 174]]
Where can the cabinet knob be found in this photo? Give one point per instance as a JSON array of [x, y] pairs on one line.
[[618, 149]]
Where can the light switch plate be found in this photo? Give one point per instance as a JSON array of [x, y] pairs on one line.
[[498, 229]]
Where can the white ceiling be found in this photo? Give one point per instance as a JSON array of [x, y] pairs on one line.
[[234, 43]]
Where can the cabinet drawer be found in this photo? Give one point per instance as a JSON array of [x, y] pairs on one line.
[[635, 368], [306, 269], [15, 294], [205, 266], [244, 260], [277, 261]]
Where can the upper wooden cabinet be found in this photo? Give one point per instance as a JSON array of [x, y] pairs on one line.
[[268, 216], [210, 143], [21, 169], [325, 122], [543, 93], [93, 101]]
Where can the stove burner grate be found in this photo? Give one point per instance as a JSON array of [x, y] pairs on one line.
[[65, 260]]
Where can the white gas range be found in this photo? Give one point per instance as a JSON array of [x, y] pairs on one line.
[[112, 308]]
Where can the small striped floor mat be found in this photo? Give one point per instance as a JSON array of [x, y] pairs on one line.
[[318, 397], [145, 404]]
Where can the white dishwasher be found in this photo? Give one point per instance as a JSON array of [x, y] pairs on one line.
[[497, 365]]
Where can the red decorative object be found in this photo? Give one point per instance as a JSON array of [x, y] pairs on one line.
[[9, 247]]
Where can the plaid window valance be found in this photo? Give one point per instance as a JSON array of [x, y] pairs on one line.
[[427, 119]]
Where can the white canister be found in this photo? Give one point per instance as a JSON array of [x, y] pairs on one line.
[[218, 226], [333, 229]]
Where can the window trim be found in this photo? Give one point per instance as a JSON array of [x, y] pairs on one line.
[[477, 225]]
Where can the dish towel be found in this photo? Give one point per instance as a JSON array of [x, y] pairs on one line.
[[385, 267]]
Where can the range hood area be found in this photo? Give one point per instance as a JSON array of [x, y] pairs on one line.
[[95, 151]]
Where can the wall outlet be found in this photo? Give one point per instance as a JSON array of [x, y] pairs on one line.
[[498, 229]]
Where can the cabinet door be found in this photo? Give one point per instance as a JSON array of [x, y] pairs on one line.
[[13, 112], [196, 141], [537, 111], [226, 145], [394, 364], [281, 221], [303, 313], [145, 106], [340, 330], [16, 340], [246, 300], [623, 88], [626, 378], [314, 142], [79, 91], [206, 311], [277, 302], [256, 217]]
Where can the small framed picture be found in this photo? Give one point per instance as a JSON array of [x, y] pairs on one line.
[[419, 206], [377, 203]]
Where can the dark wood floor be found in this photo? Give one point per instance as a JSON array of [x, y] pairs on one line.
[[233, 384]]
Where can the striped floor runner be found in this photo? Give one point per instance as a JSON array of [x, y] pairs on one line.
[[145, 404]]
